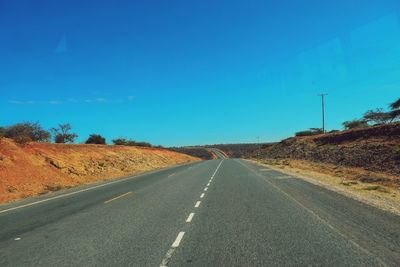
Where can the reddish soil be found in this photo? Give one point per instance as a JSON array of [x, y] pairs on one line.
[[35, 168]]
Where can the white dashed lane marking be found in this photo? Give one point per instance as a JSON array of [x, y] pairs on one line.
[[171, 251], [189, 219], [178, 240]]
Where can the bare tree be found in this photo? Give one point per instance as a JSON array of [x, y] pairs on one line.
[[26, 132], [2, 133], [62, 134]]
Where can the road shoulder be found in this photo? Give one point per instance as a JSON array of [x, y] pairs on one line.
[[385, 198]]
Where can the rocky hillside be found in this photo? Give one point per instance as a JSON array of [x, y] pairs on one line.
[[375, 149], [35, 168]]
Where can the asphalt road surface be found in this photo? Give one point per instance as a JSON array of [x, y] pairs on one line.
[[225, 212]]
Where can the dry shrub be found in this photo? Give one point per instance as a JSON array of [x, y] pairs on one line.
[[376, 188], [22, 139]]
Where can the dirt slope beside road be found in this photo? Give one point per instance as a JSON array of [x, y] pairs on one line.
[[36, 168], [373, 153]]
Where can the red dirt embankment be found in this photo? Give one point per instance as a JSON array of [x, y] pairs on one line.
[[37, 168]]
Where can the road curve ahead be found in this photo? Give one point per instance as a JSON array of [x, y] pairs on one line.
[[212, 213]]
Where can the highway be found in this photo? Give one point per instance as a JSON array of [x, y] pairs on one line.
[[223, 212]]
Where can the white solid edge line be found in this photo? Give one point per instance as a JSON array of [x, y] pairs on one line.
[[197, 204], [178, 240], [202, 195], [84, 190], [65, 195], [189, 219]]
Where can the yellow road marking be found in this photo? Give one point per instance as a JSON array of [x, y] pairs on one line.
[[115, 198]]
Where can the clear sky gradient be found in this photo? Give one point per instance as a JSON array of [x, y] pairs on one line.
[[196, 72]]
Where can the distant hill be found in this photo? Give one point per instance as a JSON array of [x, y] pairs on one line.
[[240, 150], [196, 151]]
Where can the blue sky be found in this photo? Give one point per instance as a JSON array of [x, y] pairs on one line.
[[196, 72]]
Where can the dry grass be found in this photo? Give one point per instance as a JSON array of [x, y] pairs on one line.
[[378, 188], [40, 167], [344, 173]]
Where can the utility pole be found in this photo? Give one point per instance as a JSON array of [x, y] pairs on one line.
[[259, 147], [323, 110]]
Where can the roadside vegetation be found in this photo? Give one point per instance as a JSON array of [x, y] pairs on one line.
[[370, 118], [96, 139], [63, 135], [312, 131], [128, 142], [25, 132], [374, 117]]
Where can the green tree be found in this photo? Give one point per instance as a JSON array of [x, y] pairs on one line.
[[312, 131], [354, 124], [96, 139], [377, 116], [120, 142]]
